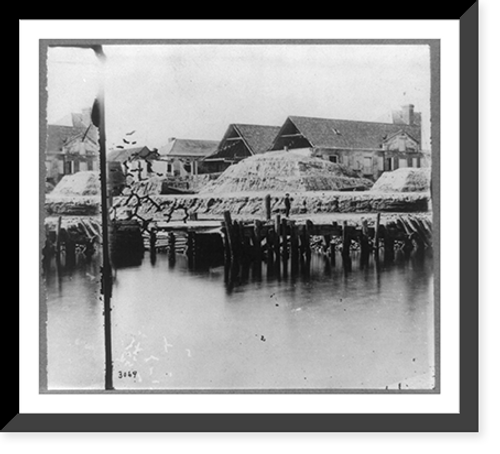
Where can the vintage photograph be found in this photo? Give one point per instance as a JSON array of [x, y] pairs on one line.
[[238, 216]]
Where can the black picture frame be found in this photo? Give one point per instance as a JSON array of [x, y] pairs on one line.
[[464, 421]]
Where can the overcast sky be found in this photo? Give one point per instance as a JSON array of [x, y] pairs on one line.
[[196, 91]]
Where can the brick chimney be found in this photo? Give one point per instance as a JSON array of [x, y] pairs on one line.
[[408, 114]]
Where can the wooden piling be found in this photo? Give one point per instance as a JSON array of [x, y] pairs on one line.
[[301, 234], [388, 246], [70, 252], [237, 240], [277, 231], [257, 240], [190, 248], [420, 244], [267, 206], [277, 254], [294, 247], [228, 224], [284, 239], [407, 242], [294, 242], [346, 240], [47, 253], [171, 244], [284, 245], [152, 241], [58, 243], [247, 242], [364, 243], [407, 246], [225, 241], [346, 247], [270, 246], [333, 248], [376, 236], [326, 244], [307, 237], [270, 251]]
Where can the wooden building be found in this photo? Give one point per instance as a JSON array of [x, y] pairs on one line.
[[135, 162], [71, 146], [239, 142], [184, 157], [370, 148]]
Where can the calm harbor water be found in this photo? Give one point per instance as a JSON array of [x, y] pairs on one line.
[[175, 328]]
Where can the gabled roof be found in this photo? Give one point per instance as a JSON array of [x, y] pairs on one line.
[[61, 137], [397, 133], [257, 139], [58, 136], [188, 148], [350, 134], [129, 153]]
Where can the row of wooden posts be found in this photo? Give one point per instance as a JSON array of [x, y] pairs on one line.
[[285, 239], [64, 248], [281, 239]]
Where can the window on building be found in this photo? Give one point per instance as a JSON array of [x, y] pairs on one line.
[[402, 143], [368, 165], [69, 167], [334, 159]]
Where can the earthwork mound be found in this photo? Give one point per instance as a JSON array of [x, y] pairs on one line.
[[80, 183], [407, 179], [283, 171]]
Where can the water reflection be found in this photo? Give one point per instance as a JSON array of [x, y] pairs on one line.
[[304, 324], [75, 338]]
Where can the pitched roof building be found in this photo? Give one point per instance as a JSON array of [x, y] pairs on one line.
[[305, 132], [121, 155], [241, 141], [370, 148], [71, 148], [185, 156], [188, 148]]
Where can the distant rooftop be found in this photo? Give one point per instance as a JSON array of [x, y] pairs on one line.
[[256, 138], [188, 148], [122, 155], [334, 133]]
